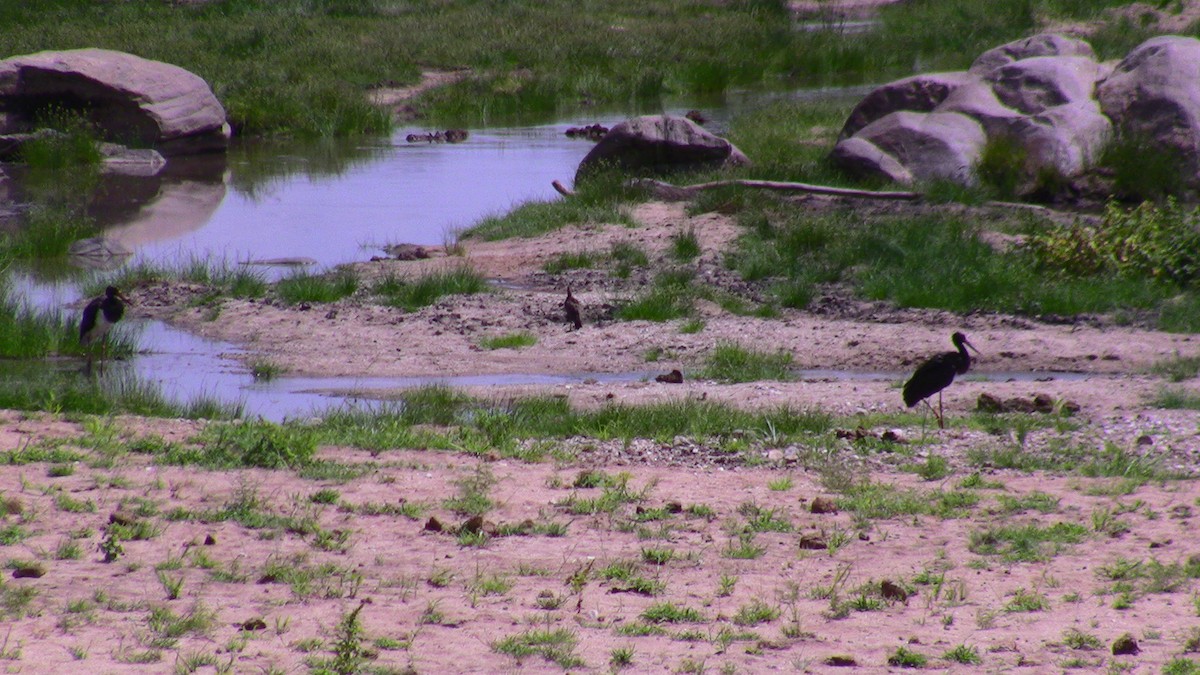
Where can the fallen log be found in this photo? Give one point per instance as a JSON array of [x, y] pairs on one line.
[[664, 190]]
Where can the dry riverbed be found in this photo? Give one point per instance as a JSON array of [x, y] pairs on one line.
[[670, 555]]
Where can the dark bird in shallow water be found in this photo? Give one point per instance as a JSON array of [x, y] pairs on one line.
[[98, 317], [571, 308], [936, 374]]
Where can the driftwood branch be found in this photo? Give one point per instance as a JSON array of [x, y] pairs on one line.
[[562, 189], [668, 191]]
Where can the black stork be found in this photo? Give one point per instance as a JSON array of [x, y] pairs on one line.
[[572, 308], [936, 374], [99, 315]]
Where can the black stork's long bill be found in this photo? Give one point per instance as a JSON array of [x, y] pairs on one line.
[[98, 317], [935, 374]]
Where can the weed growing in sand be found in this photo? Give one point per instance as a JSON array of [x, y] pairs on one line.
[[667, 612], [572, 260], [1077, 639], [1034, 501], [624, 575], [1178, 368], [325, 496], [754, 613], [621, 657], [781, 484], [172, 584], [730, 362], [413, 294], [1027, 601], [658, 556], [1171, 398], [685, 246], [1181, 666], [169, 627], [626, 256], [963, 654], [882, 501], [472, 499], [933, 468], [743, 547], [555, 645], [672, 296], [1025, 543], [509, 341], [349, 653], [906, 658]]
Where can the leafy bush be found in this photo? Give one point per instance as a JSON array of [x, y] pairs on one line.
[[1158, 242]]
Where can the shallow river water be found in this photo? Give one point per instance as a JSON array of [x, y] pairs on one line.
[[328, 203]]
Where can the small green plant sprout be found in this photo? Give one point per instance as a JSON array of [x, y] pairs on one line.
[[658, 556], [1077, 639], [905, 658], [111, 546], [509, 341], [555, 645], [1027, 601], [349, 654], [754, 613], [685, 246], [666, 612], [262, 369], [726, 585], [621, 657], [781, 484], [325, 496], [963, 654], [172, 584]]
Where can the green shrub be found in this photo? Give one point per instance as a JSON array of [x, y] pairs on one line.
[[1157, 242]]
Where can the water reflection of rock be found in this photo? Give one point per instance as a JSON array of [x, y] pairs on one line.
[[136, 210]]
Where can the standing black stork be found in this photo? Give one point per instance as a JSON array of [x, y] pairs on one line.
[[99, 315], [571, 308], [936, 374]]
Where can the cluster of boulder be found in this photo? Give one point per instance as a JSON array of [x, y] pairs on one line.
[[1048, 95]]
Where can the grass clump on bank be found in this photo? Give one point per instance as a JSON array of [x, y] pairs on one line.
[[428, 289], [305, 287], [730, 362], [596, 201], [509, 341], [36, 385], [502, 423], [938, 260]]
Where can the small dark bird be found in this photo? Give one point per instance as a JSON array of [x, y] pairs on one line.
[[571, 308], [100, 315], [936, 374]]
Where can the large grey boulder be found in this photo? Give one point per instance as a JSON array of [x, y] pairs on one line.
[[931, 146], [660, 142], [1032, 85], [132, 100], [1153, 94], [919, 93], [1043, 44], [1037, 93]]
